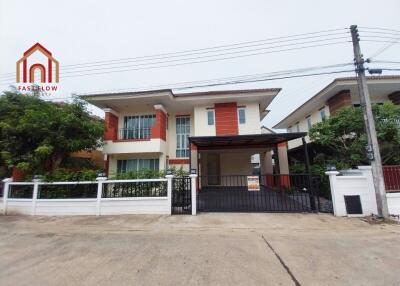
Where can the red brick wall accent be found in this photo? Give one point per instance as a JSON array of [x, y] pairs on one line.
[[111, 124], [159, 129], [226, 121], [17, 175], [178, 161], [339, 100]]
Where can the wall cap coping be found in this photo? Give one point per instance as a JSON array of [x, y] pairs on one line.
[[193, 175], [332, 173], [110, 110], [364, 167], [160, 107], [7, 180]]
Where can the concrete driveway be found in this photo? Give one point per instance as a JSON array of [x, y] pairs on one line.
[[208, 249]]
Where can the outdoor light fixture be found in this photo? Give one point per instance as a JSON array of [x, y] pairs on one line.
[[193, 171], [169, 172]]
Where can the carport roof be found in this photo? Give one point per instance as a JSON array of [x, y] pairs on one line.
[[254, 140]]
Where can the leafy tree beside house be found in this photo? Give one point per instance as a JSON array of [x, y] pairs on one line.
[[344, 135], [36, 135]]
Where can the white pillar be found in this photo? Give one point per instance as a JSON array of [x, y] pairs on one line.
[[332, 182], [193, 178], [169, 191], [6, 190], [35, 195], [100, 181]]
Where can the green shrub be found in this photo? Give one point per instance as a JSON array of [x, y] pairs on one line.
[[63, 175]]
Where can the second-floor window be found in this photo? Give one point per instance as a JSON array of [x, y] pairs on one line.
[[242, 115], [210, 117], [289, 130], [182, 136], [322, 113], [309, 124], [297, 127], [137, 127]]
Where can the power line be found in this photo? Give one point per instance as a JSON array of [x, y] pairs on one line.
[[268, 79], [150, 58], [242, 77], [204, 61], [378, 28]]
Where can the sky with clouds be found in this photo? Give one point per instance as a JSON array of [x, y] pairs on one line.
[[90, 31]]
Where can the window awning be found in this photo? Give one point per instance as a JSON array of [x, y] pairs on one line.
[[255, 140]]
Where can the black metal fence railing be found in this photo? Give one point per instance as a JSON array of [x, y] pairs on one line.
[[134, 133], [135, 189], [276, 193], [20, 191], [67, 191], [181, 201]]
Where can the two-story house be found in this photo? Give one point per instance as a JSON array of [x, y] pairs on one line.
[[214, 132], [340, 93]]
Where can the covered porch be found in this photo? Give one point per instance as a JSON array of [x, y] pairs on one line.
[[227, 164]]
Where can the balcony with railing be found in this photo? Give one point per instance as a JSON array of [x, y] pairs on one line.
[[134, 134]]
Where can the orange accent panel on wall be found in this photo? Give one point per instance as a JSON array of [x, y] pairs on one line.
[[226, 121], [159, 129], [111, 124]]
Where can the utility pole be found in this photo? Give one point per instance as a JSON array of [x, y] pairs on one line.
[[373, 148]]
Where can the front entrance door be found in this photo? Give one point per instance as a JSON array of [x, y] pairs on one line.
[[213, 169]]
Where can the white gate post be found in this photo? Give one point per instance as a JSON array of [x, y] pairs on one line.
[[169, 191], [35, 195], [6, 190], [193, 178], [100, 181], [332, 182]]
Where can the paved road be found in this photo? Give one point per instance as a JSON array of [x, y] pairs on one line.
[[209, 249]]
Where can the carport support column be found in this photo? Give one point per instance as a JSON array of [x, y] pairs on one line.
[[6, 190], [193, 178], [100, 181], [169, 191]]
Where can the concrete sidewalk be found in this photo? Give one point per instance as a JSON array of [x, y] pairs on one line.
[[208, 249]]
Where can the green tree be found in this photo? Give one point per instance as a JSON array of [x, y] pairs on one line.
[[344, 134], [36, 135]]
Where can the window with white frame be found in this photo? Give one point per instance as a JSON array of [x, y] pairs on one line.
[[242, 115], [322, 114], [134, 165], [289, 129], [137, 126], [210, 117], [297, 127], [182, 136], [309, 124]]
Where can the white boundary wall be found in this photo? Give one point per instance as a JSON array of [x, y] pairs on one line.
[[358, 182], [393, 200], [92, 206]]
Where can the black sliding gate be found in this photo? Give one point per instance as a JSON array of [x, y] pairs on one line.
[[181, 195], [277, 193]]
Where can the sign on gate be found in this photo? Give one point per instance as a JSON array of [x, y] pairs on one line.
[[253, 183]]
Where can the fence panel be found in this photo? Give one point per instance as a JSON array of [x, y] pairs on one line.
[[391, 175], [138, 188]]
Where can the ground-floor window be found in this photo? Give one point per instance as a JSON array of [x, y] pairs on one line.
[[132, 165]]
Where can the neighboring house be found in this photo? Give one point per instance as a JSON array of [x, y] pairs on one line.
[[214, 132], [340, 93]]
